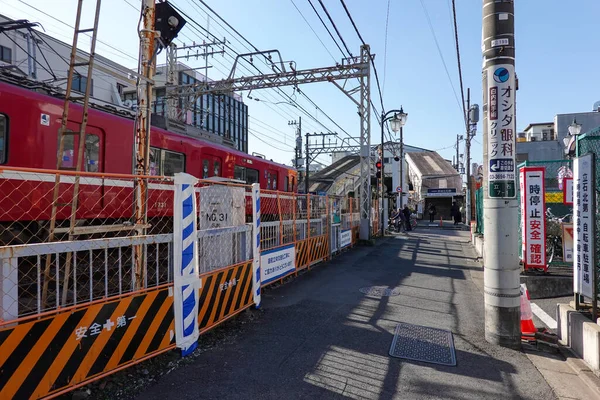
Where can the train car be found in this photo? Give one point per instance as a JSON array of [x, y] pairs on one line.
[[29, 124]]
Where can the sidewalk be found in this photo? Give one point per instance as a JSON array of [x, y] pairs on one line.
[[319, 337]]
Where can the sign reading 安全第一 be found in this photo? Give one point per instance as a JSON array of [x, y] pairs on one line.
[[501, 131], [277, 263], [584, 225], [533, 221]]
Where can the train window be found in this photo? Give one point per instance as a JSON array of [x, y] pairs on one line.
[[3, 138], [274, 182], [204, 169], [155, 169], [92, 153], [217, 168], [239, 173], [286, 184], [68, 156], [293, 187], [172, 162], [251, 176]]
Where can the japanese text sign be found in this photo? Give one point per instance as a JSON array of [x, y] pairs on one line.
[[501, 131], [568, 191], [533, 217], [584, 225]]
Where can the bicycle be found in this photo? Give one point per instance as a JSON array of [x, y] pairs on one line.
[[554, 226]]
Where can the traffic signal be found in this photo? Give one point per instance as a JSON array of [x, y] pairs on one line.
[[378, 165]]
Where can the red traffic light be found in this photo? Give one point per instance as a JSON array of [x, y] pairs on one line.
[[378, 164]]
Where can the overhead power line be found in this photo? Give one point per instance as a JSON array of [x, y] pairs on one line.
[[441, 55], [462, 91], [313, 31], [335, 27], [387, 17], [327, 28]]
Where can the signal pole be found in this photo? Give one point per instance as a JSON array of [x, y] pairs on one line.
[[500, 206]]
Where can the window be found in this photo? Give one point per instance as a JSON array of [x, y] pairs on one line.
[[217, 168], [80, 83], [293, 186], [92, 153], [120, 88], [239, 173], [286, 184], [3, 138], [172, 162], [6, 54], [204, 169], [251, 176], [165, 162], [386, 160]]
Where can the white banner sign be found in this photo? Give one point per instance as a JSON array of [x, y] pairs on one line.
[[533, 217], [345, 238], [501, 131], [584, 225], [276, 263], [567, 242]]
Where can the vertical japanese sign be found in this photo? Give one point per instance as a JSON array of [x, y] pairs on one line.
[[533, 221], [501, 131], [584, 224]]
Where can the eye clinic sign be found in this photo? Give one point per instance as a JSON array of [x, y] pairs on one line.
[[584, 226]]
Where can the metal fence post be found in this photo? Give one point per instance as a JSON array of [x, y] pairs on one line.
[[186, 280], [256, 279]]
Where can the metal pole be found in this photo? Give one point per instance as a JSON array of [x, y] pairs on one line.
[[142, 139], [365, 144], [457, 150], [500, 205], [401, 166], [307, 166], [382, 174], [468, 155]]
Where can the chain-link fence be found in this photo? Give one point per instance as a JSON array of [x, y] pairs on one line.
[[586, 144]]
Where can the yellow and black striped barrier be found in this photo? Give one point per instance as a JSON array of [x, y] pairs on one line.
[[53, 354], [311, 250], [223, 294]]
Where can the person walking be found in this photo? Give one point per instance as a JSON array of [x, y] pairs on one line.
[[455, 213], [406, 212], [432, 212]]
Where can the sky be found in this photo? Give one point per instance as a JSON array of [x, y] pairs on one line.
[[556, 59]]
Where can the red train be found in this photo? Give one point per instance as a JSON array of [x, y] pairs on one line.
[[29, 125]]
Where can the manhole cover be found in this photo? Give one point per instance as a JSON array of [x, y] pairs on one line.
[[381, 291], [422, 343]]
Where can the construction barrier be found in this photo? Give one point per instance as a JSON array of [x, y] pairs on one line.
[[79, 307]]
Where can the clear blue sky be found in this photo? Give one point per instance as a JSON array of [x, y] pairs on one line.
[[557, 59]]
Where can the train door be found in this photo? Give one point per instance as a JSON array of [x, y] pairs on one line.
[[271, 179], [91, 189], [211, 166]]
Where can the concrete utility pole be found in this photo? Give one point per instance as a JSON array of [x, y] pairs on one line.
[[142, 137], [468, 160], [457, 166], [500, 205]]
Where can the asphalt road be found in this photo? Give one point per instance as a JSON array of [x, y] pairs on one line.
[[319, 337]]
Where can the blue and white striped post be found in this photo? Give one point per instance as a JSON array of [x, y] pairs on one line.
[[186, 280], [256, 244]]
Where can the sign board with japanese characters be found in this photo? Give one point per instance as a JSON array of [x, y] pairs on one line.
[[276, 263], [501, 131], [568, 191], [345, 238], [567, 243], [533, 217], [584, 224]]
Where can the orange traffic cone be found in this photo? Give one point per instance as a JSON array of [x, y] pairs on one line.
[[527, 327]]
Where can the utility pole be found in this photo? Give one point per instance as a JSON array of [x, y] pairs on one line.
[[500, 205], [457, 165], [298, 148], [468, 158], [142, 137]]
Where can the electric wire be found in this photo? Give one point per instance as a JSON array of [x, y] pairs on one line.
[[327, 28], [441, 55], [255, 49], [462, 91], [87, 34], [335, 27], [313, 31], [387, 17]]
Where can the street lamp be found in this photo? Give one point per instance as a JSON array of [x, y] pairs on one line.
[[397, 120], [574, 128]]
